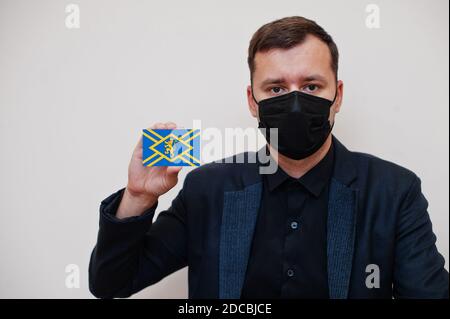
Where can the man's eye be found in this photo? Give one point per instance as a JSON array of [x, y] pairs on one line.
[[276, 90], [311, 88]]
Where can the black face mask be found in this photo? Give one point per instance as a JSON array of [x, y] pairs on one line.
[[301, 120]]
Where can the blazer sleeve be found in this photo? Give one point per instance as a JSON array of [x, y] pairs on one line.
[[418, 267], [134, 253]]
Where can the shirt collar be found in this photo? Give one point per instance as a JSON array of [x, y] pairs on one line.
[[314, 180]]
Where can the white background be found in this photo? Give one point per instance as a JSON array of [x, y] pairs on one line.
[[73, 102]]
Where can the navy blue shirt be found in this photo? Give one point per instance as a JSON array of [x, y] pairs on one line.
[[288, 258]]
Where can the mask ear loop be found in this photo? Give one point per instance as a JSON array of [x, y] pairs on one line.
[[324, 123], [267, 131], [251, 87], [334, 100]]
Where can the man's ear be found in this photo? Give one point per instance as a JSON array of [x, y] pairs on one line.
[[339, 97], [252, 106]]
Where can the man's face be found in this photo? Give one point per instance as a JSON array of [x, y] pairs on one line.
[[305, 67]]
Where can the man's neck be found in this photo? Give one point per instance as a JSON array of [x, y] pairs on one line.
[[298, 168]]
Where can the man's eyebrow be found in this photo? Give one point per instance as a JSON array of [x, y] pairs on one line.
[[312, 77], [315, 77], [272, 81]]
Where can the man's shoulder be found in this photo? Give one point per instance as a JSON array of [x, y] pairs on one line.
[[383, 170]]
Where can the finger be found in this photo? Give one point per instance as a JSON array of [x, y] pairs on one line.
[[174, 170], [170, 125], [138, 147], [139, 143], [159, 169], [157, 126]]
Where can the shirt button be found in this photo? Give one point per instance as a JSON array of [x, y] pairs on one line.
[[294, 225], [290, 272]]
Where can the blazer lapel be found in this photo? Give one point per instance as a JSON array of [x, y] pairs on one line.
[[341, 225], [340, 238], [240, 210]]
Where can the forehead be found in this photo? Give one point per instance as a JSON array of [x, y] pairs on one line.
[[311, 56]]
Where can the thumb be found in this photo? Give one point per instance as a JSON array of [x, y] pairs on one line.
[[174, 170]]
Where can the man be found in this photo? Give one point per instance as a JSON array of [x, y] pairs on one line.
[[329, 223]]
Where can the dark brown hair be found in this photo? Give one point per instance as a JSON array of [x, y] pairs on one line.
[[286, 33]]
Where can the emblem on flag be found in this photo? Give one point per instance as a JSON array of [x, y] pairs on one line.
[[165, 147]]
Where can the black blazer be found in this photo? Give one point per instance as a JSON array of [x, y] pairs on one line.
[[377, 215]]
